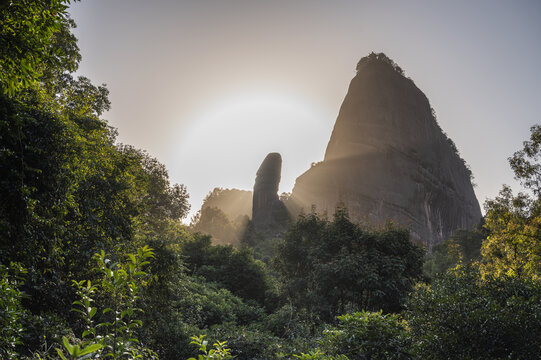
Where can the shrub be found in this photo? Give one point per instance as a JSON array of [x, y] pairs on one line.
[[368, 335], [462, 316], [11, 311]]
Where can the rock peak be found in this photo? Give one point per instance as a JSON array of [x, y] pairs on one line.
[[269, 172], [265, 196], [388, 160]]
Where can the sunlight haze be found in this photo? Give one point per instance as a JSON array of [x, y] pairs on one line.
[[229, 140], [211, 87]]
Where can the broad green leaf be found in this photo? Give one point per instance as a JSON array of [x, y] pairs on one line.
[[90, 349], [67, 345], [61, 354]]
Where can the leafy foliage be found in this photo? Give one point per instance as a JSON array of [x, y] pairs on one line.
[[220, 351], [317, 354], [114, 335], [333, 267], [379, 58], [514, 245], [248, 342], [366, 335], [525, 162], [68, 191], [233, 202], [178, 305], [463, 316], [235, 270], [463, 247], [76, 352], [214, 222], [27, 39], [12, 312]]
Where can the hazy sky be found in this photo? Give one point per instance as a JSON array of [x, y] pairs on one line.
[[211, 87]]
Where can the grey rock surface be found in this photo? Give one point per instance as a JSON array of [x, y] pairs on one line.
[[388, 160], [265, 195]]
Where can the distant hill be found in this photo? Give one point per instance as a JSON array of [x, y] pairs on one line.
[[233, 202], [224, 215]]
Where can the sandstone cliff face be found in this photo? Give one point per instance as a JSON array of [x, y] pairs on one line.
[[388, 159], [266, 203]]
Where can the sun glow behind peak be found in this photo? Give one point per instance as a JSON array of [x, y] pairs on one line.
[[226, 142]]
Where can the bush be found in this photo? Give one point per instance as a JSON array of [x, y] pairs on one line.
[[12, 313], [368, 335], [290, 323], [462, 316], [235, 270], [247, 342], [220, 351], [110, 332]]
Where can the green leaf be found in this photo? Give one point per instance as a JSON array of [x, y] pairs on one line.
[[61, 354], [67, 345], [79, 311], [90, 349]]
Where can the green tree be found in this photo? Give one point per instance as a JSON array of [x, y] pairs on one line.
[[514, 221], [464, 247], [219, 352], [67, 189], [525, 162], [27, 41], [463, 316], [235, 270], [113, 334], [12, 313], [213, 221], [332, 267], [367, 335], [318, 355], [514, 245], [248, 342], [178, 305]]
